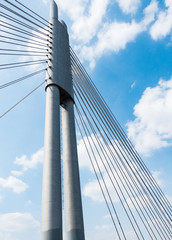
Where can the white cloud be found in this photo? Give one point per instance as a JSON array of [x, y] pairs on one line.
[[93, 190], [73, 9], [88, 24], [17, 222], [102, 227], [112, 37], [156, 175], [17, 173], [85, 18], [104, 231], [28, 203], [45, 1], [14, 183], [115, 36], [7, 236], [129, 6], [109, 170], [169, 199], [84, 161], [26, 163], [1, 197], [94, 36], [163, 25], [150, 13], [152, 127], [17, 226]]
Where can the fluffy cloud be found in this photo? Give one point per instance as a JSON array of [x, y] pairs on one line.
[[152, 127], [129, 6], [84, 161], [83, 20], [89, 24], [94, 36], [14, 183], [157, 176], [27, 163], [150, 13], [105, 230], [17, 222], [163, 25], [113, 37], [17, 173], [93, 190], [107, 227], [17, 226]]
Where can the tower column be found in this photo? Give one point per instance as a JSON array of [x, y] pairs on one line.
[[51, 222], [51, 225], [72, 193], [59, 91]]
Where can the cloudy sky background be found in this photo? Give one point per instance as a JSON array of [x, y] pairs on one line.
[[126, 47]]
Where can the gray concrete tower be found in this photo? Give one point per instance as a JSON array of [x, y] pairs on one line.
[[59, 91]]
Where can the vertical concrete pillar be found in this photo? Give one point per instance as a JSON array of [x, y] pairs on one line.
[[51, 225], [59, 90], [72, 193], [51, 222]]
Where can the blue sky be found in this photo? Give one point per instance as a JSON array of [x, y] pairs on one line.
[[126, 47]]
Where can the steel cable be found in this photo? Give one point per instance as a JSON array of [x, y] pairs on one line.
[[21, 79], [106, 143], [130, 177], [24, 13], [22, 45], [21, 100], [113, 129], [118, 127], [96, 95], [22, 65], [32, 11], [30, 40], [6, 16], [87, 133], [17, 63], [122, 174], [23, 31], [116, 189]]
